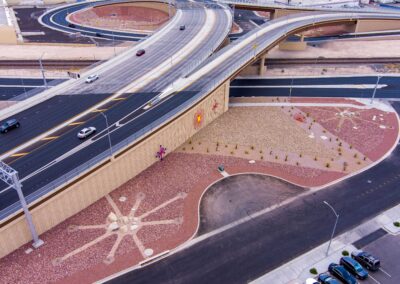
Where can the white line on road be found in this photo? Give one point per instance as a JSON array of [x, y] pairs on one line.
[[374, 279], [385, 272]]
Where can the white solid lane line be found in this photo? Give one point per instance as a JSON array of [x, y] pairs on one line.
[[342, 86], [385, 272], [376, 281]]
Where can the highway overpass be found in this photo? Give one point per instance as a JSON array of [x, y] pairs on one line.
[[137, 126]]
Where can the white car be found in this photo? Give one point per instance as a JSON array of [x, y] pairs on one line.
[[311, 281], [85, 132], [92, 78]]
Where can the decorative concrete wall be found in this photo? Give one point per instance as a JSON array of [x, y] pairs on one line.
[[7, 35], [85, 190], [377, 25]]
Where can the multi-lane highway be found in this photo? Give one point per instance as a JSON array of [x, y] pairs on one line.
[[344, 86], [62, 156], [57, 19], [128, 86]]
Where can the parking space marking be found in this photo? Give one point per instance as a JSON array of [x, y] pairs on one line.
[[118, 99], [376, 281], [19, 154], [50, 138], [385, 272]]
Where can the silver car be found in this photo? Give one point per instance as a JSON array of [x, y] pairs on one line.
[[92, 78], [85, 132]]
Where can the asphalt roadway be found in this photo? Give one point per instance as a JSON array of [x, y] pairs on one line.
[[40, 167], [254, 87], [52, 112], [246, 252], [11, 88]]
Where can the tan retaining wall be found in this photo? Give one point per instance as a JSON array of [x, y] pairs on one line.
[[111, 174], [7, 35]]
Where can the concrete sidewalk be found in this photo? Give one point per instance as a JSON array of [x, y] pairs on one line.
[[297, 270]]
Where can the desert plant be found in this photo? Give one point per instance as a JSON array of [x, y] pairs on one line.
[[190, 141], [262, 157], [327, 165], [345, 253], [340, 144], [313, 271], [396, 224], [355, 155], [192, 148], [236, 147], [232, 152], [330, 139], [340, 153], [300, 155], [315, 158], [261, 151], [246, 152], [252, 147], [358, 163], [286, 158], [183, 149], [276, 157], [308, 114], [297, 163], [351, 146], [199, 142], [270, 152], [208, 150], [365, 158], [226, 146]]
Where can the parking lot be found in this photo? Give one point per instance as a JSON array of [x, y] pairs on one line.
[[387, 249]]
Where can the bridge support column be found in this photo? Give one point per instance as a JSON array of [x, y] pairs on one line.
[[262, 67]]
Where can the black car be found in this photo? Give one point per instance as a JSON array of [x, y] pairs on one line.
[[325, 278], [341, 273], [8, 125], [99, 35], [182, 28], [367, 260], [140, 52], [353, 267], [71, 25]]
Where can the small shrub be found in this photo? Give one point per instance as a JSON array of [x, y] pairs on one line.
[[252, 147], [340, 144], [339, 149], [226, 146], [192, 148], [183, 149], [309, 128], [199, 142], [358, 163], [365, 158], [330, 139], [351, 146], [236, 147], [270, 152], [314, 121], [190, 141], [324, 131], [313, 271], [340, 153], [337, 139], [355, 155], [246, 152], [345, 253], [315, 158], [297, 163], [332, 159], [283, 71], [217, 144], [308, 114], [261, 151], [300, 155], [232, 153], [208, 150], [327, 165], [286, 158], [262, 157], [396, 224], [276, 157]]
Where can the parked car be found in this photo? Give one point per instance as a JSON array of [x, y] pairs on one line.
[[353, 267], [99, 35], [71, 25], [182, 28], [92, 78], [325, 278], [311, 281], [367, 260], [341, 273], [9, 125], [140, 52], [86, 132]]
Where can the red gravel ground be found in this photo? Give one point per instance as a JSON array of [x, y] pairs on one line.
[[178, 173], [120, 16], [361, 131]]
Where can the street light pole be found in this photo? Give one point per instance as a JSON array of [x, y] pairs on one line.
[[291, 86], [42, 71], [376, 87], [334, 227], [10, 177], [108, 133]]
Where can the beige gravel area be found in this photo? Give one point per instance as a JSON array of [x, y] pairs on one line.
[[344, 49], [320, 71], [247, 131], [69, 52]]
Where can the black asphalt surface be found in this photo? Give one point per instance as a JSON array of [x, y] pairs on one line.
[[37, 120], [254, 90], [28, 22], [10, 88], [244, 19], [58, 19], [246, 252]]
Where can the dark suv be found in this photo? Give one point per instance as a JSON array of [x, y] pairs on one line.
[[8, 125], [354, 267], [367, 260], [341, 273]]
